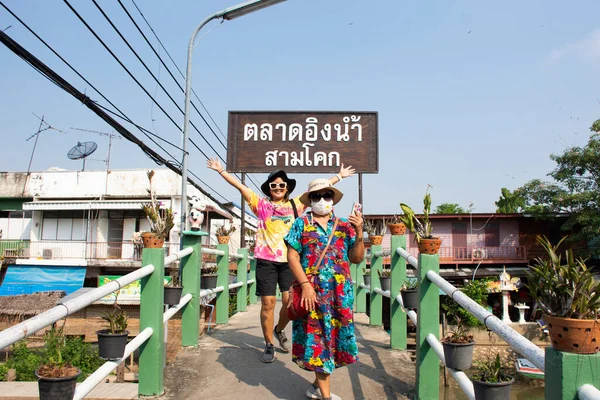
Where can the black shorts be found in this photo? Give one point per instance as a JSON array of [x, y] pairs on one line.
[[269, 274]]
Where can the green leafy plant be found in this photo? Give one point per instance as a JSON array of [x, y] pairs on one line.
[[117, 320], [477, 290], [563, 288], [459, 334], [395, 220], [366, 271], [225, 231], [24, 361], [175, 278], [210, 270], [410, 284], [491, 371], [421, 228], [384, 273], [372, 228], [161, 220], [54, 364]]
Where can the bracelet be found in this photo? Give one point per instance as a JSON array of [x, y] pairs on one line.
[[358, 239], [221, 171], [339, 177], [300, 284]]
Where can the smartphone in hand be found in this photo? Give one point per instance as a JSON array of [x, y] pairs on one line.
[[356, 208]]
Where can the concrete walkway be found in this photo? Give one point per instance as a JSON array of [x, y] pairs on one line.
[[226, 365]]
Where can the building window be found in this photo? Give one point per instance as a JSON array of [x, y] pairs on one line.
[[492, 234], [64, 225]]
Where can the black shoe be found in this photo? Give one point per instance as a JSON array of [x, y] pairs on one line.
[[283, 340], [269, 354]]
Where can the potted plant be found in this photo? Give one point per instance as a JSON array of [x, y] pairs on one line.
[[374, 232], [384, 278], [57, 378], [112, 341], [458, 347], [367, 276], [209, 276], [409, 293], [161, 220], [173, 289], [421, 228], [396, 226], [492, 381], [224, 232], [569, 297]]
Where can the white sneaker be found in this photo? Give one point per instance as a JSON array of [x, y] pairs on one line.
[[315, 393]]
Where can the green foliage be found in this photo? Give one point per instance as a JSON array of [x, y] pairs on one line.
[[409, 284], [510, 202], [222, 230], [54, 339], [373, 228], [449, 208], [117, 320], [23, 361], [458, 334], [81, 355], [491, 371], [384, 273], [563, 289], [476, 290], [421, 228], [161, 220], [3, 372]]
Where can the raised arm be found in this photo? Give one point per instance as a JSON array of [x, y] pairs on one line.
[[344, 173], [215, 164]]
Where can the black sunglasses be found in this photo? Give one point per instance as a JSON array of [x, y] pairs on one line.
[[318, 196], [277, 185]]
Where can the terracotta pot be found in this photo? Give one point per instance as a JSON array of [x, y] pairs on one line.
[[376, 240], [223, 239], [397, 229], [580, 336], [152, 241], [430, 246]]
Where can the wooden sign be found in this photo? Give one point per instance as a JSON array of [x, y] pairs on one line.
[[302, 141]]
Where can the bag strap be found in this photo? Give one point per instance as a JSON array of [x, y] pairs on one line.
[[294, 208], [328, 242]]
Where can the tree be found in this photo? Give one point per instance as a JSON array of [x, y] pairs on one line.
[[575, 190], [449, 208], [510, 202]]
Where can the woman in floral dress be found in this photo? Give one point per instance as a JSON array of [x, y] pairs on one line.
[[324, 340]]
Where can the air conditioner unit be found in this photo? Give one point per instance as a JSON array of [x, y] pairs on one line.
[[47, 253], [480, 253]]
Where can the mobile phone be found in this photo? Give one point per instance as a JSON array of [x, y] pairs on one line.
[[356, 208]]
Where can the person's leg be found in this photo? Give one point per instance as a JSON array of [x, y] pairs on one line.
[[266, 285], [324, 383], [285, 279], [267, 317], [283, 315]]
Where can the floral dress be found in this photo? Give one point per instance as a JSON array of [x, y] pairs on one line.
[[324, 339]]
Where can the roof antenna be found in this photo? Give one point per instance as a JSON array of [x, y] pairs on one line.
[[44, 126]]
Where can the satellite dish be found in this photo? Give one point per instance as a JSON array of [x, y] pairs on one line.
[[81, 151]]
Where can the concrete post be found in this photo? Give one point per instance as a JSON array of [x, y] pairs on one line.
[[190, 278], [252, 287], [428, 363], [376, 299], [398, 322], [222, 302], [242, 276], [151, 374], [360, 294], [566, 372]]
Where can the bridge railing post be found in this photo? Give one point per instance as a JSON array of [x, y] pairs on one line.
[[398, 322], [222, 302], [375, 298], [242, 276], [566, 372], [190, 278], [360, 294], [252, 287], [428, 363], [151, 374]]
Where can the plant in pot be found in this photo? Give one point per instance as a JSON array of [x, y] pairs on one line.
[[492, 380], [161, 220], [421, 228], [396, 226], [384, 278], [173, 288], [57, 378], [409, 293], [209, 276], [374, 231], [458, 347], [366, 276], [112, 341], [569, 297], [223, 232]]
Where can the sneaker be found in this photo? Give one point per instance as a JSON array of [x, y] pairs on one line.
[[315, 393], [283, 340], [269, 354]]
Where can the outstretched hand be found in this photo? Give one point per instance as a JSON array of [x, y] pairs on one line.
[[346, 172], [214, 164]]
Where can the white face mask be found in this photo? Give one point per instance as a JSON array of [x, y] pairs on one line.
[[322, 207]]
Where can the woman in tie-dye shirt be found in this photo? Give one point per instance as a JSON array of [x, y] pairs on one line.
[[275, 214]]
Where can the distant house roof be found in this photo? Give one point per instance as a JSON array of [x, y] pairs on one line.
[[28, 305]]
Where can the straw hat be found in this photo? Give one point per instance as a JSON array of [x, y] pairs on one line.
[[317, 185], [291, 183]]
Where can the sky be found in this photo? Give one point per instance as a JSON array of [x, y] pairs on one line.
[[471, 96]]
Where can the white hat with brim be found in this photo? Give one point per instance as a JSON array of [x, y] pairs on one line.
[[317, 185]]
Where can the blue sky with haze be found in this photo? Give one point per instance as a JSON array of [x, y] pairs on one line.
[[472, 96]]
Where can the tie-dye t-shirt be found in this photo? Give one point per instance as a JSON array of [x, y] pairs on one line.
[[274, 222]]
